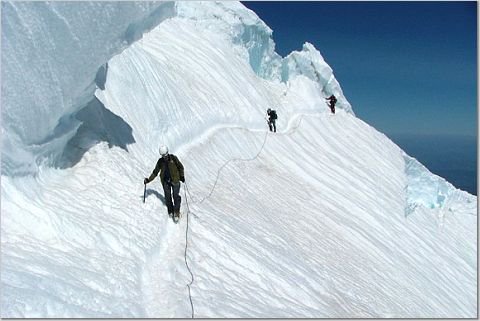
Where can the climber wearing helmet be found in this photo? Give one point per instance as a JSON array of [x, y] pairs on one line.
[[171, 174]]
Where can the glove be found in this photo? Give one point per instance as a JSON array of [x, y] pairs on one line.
[[182, 179], [146, 181]]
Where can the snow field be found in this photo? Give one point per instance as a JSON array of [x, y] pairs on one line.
[[315, 225]]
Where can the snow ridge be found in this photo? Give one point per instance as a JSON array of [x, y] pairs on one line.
[[330, 220]]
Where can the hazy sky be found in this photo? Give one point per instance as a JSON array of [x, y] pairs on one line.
[[406, 67]]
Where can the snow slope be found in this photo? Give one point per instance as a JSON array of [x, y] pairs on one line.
[[325, 218]]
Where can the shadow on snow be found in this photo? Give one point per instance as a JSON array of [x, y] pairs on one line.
[[98, 125], [157, 194]]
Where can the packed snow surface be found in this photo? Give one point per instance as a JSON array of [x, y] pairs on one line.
[[327, 218]]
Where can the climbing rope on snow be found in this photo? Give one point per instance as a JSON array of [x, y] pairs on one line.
[[206, 197], [186, 263], [227, 162], [188, 212], [242, 159]]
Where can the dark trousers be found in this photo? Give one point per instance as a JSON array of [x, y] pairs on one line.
[[172, 206], [271, 124], [332, 108]]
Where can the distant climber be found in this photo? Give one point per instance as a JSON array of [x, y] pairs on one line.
[[332, 101], [171, 174], [271, 118]]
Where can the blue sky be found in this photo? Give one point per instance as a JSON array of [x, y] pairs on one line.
[[406, 67]]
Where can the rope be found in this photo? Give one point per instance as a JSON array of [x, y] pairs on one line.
[[291, 131], [206, 197], [188, 211], [186, 263], [231, 160]]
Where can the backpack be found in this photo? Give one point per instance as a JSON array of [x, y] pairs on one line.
[[273, 114]]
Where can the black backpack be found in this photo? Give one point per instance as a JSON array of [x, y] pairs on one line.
[[273, 114]]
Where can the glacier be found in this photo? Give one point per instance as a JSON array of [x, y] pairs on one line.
[[327, 218]]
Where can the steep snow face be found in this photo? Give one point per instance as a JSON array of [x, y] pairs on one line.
[[313, 221], [51, 53]]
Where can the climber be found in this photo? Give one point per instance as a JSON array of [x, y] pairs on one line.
[[271, 118], [332, 101], [171, 173]]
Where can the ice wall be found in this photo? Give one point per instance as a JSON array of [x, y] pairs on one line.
[[240, 26], [51, 53], [430, 191]]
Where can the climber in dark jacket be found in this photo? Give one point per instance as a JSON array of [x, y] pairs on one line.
[[171, 174], [271, 118], [333, 100]]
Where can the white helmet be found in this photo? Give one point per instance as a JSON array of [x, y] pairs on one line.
[[163, 150]]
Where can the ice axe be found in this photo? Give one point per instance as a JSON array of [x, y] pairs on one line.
[[144, 191]]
